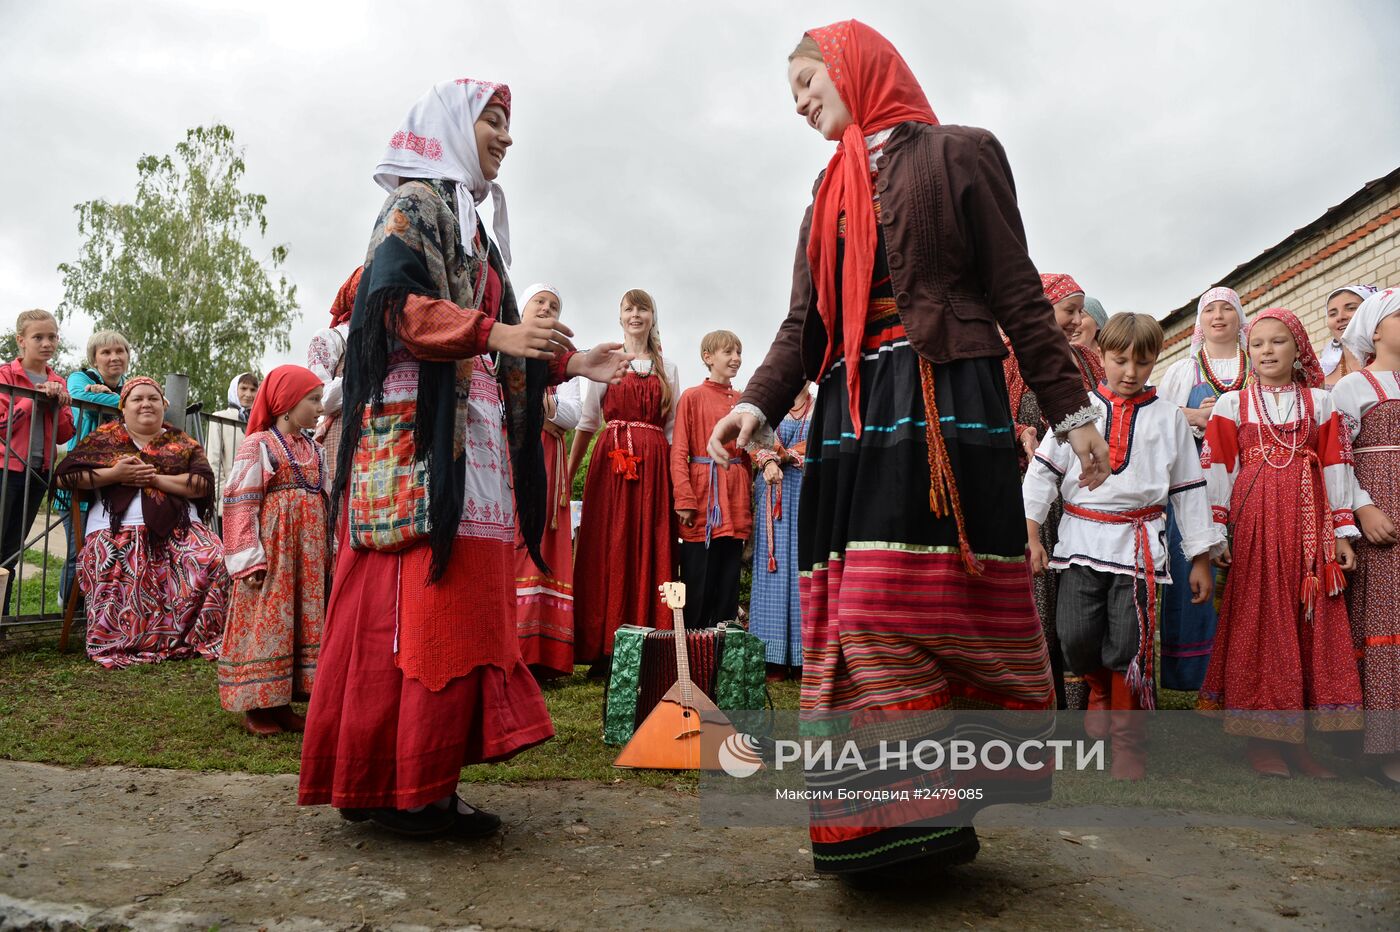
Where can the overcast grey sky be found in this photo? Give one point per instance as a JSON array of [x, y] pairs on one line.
[[1155, 146]]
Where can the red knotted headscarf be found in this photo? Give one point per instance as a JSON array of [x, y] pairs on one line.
[[1057, 286], [279, 393], [1307, 369], [344, 304], [878, 88]]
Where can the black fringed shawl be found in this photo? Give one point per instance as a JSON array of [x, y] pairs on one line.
[[417, 249]]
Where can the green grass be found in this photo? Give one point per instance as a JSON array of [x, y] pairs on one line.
[[38, 590], [65, 709]]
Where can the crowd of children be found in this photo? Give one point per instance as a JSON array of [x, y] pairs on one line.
[[1247, 459]]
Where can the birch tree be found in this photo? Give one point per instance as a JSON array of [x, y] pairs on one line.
[[174, 270]]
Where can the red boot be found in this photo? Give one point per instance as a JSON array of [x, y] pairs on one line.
[[1096, 720], [1266, 758], [1128, 730], [1297, 755]]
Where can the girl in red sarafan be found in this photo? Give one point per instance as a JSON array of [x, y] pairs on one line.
[[1278, 470], [626, 541], [277, 549]]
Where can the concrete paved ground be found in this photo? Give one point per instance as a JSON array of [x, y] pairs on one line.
[[114, 848]]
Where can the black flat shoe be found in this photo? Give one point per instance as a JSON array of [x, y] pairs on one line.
[[915, 873], [475, 823], [354, 815], [430, 822]]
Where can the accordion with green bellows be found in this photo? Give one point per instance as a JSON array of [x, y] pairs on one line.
[[726, 663]]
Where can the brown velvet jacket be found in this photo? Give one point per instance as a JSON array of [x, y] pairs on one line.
[[959, 266]]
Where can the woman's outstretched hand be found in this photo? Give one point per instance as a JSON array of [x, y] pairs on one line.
[[734, 426], [1088, 444], [530, 339], [606, 363]]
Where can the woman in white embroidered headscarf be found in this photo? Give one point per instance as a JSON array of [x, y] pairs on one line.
[[1217, 364], [544, 602], [1336, 359], [420, 671], [221, 445]]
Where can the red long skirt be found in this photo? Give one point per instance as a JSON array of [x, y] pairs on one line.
[[1273, 671], [377, 739], [626, 541], [544, 602]]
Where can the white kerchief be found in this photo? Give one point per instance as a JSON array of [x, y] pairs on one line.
[[1218, 293], [438, 140], [537, 288], [1362, 326]]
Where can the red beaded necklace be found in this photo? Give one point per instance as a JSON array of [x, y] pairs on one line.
[[1216, 385]]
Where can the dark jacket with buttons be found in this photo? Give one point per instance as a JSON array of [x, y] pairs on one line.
[[959, 267]]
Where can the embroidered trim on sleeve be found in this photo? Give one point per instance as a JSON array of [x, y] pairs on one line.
[[764, 437], [1085, 415]]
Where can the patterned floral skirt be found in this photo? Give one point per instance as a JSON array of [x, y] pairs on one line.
[[273, 637], [892, 619], [151, 602]]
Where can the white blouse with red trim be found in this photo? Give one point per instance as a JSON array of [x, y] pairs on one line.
[[1153, 459], [1221, 454], [1354, 396]]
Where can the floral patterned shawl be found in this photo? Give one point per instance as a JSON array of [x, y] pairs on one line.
[[172, 453]]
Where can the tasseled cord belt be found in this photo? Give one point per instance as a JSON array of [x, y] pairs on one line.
[[1140, 677], [943, 497], [714, 515], [1321, 573], [625, 461]]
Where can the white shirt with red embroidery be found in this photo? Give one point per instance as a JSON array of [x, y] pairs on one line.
[[1221, 454], [325, 357], [1354, 395], [1152, 459]]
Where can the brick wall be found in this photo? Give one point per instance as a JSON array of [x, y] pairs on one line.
[[1360, 247]]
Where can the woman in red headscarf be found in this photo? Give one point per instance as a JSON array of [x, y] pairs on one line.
[[1278, 468], [1067, 300], [151, 571], [278, 551], [326, 358], [915, 588]]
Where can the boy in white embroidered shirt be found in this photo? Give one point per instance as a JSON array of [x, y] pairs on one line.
[[1112, 546]]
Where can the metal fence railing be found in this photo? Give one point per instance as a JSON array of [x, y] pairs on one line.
[[35, 529]]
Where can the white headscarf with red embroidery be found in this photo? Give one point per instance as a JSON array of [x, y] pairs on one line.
[[1218, 293], [438, 140]]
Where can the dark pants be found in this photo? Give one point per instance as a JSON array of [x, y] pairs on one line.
[[17, 515], [1096, 619], [70, 566], [711, 578]]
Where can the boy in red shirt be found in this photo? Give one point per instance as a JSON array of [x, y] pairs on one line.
[[714, 503]]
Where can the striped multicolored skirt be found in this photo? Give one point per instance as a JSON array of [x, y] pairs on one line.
[[892, 617]]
